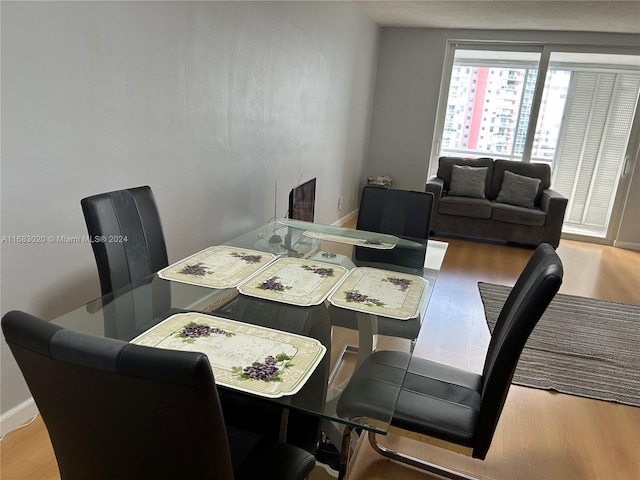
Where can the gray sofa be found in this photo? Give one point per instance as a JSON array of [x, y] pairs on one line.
[[496, 199]]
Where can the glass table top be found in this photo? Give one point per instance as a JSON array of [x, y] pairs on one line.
[[315, 331], [349, 235]]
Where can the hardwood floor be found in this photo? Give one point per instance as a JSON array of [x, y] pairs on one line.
[[541, 435]]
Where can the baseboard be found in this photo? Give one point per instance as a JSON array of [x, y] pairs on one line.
[[345, 219], [627, 245], [17, 416]]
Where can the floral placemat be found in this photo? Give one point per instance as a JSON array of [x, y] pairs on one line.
[[381, 292], [295, 281], [220, 266], [244, 357], [362, 242]]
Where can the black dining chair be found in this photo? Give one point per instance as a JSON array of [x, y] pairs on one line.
[[447, 406], [119, 410], [128, 241], [132, 214], [407, 215], [128, 245], [403, 213]]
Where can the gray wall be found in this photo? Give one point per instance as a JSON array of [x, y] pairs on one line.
[[629, 233], [209, 103], [406, 99]]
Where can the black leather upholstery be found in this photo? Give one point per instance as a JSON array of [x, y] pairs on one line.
[[128, 247], [452, 404], [130, 214], [118, 410], [403, 213]]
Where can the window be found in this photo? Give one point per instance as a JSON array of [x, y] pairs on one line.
[[565, 106], [502, 95]]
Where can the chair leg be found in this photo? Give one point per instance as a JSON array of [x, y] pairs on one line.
[[414, 462], [345, 451]]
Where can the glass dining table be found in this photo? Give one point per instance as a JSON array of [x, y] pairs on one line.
[[278, 309]]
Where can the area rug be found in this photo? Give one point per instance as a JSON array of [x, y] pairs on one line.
[[580, 346]]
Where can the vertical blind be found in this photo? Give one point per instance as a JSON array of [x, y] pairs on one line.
[[592, 144]]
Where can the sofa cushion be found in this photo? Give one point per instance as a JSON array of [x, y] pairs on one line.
[[534, 170], [518, 215], [518, 190], [465, 207], [468, 181], [445, 167]]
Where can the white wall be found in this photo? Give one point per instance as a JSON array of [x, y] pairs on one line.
[[406, 98], [209, 103]]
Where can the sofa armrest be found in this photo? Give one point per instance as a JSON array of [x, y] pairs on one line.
[[554, 205], [435, 185]]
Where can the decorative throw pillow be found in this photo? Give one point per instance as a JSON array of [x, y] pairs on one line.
[[468, 181], [518, 190]]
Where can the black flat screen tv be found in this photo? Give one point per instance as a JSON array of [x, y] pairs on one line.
[[302, 201]]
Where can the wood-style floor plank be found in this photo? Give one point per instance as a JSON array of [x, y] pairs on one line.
[[26, 454]]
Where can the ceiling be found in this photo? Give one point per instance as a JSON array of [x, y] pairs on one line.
[[583, 16]]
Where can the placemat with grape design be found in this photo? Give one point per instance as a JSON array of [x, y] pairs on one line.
[[381, 292], [220, 266], [244, 357], [295, 281]]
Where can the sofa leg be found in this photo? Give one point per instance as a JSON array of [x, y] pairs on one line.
[[414, 462]]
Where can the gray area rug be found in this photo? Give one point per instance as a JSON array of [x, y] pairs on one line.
[[580, 346]]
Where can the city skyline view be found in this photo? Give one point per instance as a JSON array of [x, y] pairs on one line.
[[489, 108]]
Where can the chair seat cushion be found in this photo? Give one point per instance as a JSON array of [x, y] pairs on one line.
[[439, 401], [373, 390], [518, 215], [465, 207], [253, 456], [436, 400]]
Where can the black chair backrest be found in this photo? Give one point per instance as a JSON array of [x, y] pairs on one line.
[[395, 212], [402, 213], [118, 410], [133, 245], [535, 288]]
